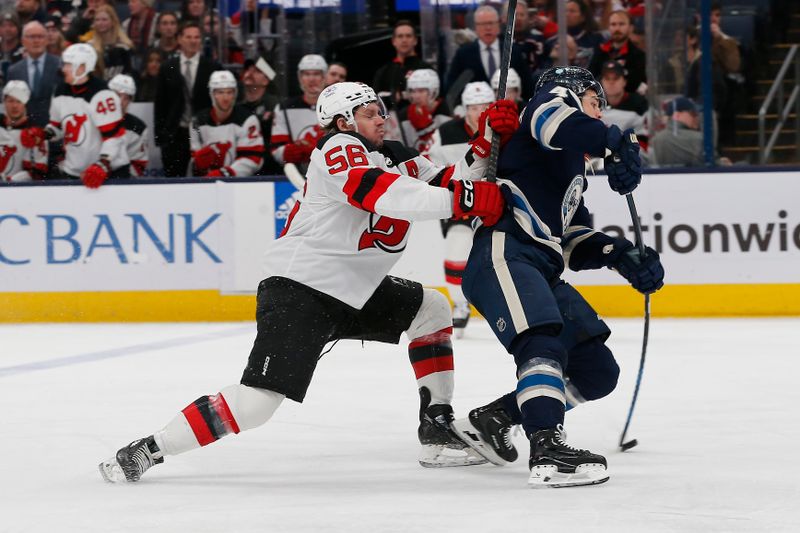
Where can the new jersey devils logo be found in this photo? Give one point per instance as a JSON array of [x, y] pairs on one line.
[[6, 154], [73, 129], [388, 234]]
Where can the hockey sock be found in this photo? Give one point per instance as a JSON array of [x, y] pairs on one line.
[[209, 418], [432, 359], [458, 243], [592, 372], [540, 394]]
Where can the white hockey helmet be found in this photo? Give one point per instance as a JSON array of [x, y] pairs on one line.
[[477, 92], [312, 62], [424, 78], [221, 79], [124, 84], [17, 89], [77, 55], [342, 98], [513, 80]]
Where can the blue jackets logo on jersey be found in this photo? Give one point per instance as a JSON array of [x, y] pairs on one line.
[[572, 199]]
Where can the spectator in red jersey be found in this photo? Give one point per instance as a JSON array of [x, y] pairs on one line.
[[619, 48]]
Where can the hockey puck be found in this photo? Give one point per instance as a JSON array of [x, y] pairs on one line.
[[628, 445]]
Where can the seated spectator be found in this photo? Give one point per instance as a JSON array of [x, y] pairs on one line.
[[620, 48], [680, 144], [113, 47], [193, 10], [167, 34], [55, 37], [148, 80], [582, 26], [28, 10], [545, 18], [135, 136], [39, 70], [337, 72], [390, 79], [18, 162], [140, 28], [256, 77], [530, 41], [80, 26], [211, 24], [426, 112], [625, 109], [601, 9], [226, 140], [10, 45]]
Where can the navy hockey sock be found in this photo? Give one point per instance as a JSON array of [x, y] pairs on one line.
[[540, 394]]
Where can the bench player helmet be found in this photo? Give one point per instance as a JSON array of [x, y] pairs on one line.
[[424, 78], [312, 62], [513, 80], [577, 79], [221, 79], [77, 55], [122, 83], [17, 89], [477, 92], [342, 98]]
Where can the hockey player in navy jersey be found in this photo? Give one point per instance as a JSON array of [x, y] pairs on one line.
[[88, 117], [226, 139], [327, 279], [513, 277]]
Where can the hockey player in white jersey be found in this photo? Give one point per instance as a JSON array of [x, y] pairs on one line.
[[327, 280], [513, 87], [426, 112], [225, 139], [135, 128], [450, 142], [17, 161], [88, 117]]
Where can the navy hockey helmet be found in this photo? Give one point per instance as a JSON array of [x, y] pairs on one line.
[[577, 79]]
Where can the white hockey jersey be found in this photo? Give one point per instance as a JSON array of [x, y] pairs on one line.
[[294, 119], [352, 223], [238, 137], [89, 119], [450, 142], [136, 144], [18, 163]]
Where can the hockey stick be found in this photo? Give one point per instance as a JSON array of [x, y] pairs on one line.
[[637, 228], [505, 64]]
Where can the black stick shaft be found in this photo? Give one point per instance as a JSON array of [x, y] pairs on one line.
[[505, 64]]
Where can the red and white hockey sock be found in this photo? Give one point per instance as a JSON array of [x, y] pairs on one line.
[[209, 418], [458, 243], [432, 358]]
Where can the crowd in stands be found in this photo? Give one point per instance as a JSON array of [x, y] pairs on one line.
[[169, 58]]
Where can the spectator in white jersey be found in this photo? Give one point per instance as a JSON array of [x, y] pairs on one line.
[[450, 142], [18, 162], [295, 131], [226, 139], [426, 112], [135, 128]]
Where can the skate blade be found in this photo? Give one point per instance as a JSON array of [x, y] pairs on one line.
[[467, 432], [548, 476], [112, 472], [436, 456], [458, 333]]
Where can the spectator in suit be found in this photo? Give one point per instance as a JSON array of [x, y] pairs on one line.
[[620, 48], [181, 91], [40, 70], [482, 56], [390, 79]]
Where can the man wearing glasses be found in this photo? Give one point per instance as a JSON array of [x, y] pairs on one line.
[[39, 70]]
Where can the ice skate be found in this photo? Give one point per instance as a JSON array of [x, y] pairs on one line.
[[487, 430], [555, 464], [441, 447], [131, 461], [461, 313]]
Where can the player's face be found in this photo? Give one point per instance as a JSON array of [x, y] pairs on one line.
[[254, 78], [14, 108], [619, 27], [420, 97], [69, 78], [474, 113], [404, 40], [370, 123], [336, 73], [224, 99], [312, 82], [591, 104], [125, 100]]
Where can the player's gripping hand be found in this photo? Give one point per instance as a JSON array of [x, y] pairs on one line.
[[500, 117], [298, 152], [32, 137], [212, 156], [95, 175], [645, 274], [419, 116], [478, 199], [623, 165]]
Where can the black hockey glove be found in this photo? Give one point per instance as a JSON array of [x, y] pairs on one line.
[[646, 275], [623, 165]]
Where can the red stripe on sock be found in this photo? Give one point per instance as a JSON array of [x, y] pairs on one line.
[[433, 365], [201, 431], [440, 337], [224, 413], [452, 280]]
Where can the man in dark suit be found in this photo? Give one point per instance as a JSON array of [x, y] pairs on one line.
[[40, 70], [483, 55], [181, 91]]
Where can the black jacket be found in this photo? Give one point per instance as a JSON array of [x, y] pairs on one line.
[[468, 57]]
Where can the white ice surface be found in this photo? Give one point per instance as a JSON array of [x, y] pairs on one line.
[[717, 426]]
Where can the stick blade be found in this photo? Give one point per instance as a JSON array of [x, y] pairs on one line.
[[625, 446]]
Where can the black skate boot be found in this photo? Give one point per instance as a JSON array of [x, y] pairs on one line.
[[440, 445], [488, 431], [132, 461], [555, 464], [461, 312]]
